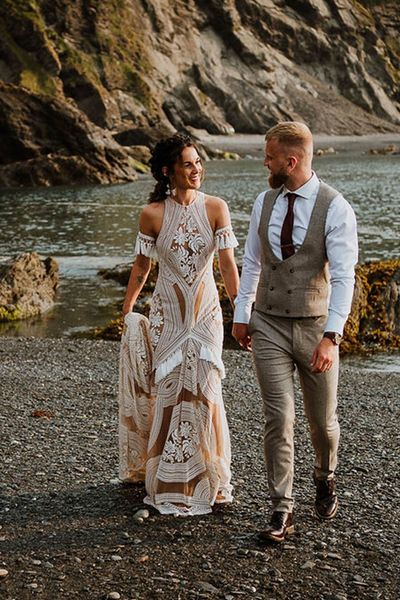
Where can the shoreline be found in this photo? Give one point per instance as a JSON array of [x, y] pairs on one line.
[[253, 145]]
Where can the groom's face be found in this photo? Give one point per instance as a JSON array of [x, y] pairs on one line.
[[276, 161]]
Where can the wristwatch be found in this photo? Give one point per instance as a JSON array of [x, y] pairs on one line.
[[335, 338]]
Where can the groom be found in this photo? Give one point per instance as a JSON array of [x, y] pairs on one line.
[[298, 270]]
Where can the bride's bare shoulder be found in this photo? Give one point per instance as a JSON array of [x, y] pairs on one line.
[[151, 218], [215, 202], [217, 211]]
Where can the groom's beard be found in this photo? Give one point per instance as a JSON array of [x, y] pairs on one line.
[[275, 180]]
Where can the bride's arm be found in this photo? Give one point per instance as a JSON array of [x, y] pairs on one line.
[[145, 250], [139, 273], [225, 244], [229, 273]]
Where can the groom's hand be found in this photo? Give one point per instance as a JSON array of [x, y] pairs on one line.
[[240, 331], [324, 356]]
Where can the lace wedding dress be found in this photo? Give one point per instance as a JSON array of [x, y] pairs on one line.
[[173, 428]]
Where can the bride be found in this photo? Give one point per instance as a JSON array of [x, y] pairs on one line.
[[173, 427]]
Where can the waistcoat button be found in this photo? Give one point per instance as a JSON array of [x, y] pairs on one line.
[[289, 291], [273, 268], [291, 270], [269, 307], [271, 288], [287, 311]]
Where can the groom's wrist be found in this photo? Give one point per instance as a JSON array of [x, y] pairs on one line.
[[242, 314]]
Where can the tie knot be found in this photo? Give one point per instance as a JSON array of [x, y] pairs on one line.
[[291, 197]]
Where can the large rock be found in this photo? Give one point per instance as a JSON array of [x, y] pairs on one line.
[[374, 321], [28, 286], [52, 143], [142, 136]]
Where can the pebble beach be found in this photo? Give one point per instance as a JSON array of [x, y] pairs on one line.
[[69, 529]]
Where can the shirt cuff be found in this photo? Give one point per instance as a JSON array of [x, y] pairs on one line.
[[242, 313], [335, 323]]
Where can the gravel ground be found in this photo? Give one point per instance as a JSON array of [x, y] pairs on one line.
[[68, 528]]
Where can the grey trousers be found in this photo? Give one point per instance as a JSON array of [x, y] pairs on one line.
[[279, 346]]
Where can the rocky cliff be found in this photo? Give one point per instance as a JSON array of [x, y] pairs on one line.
[[85, 85]]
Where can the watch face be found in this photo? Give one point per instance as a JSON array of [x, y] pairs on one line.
[[336, 338]]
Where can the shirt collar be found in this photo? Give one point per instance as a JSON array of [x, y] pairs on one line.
[[307, 190]]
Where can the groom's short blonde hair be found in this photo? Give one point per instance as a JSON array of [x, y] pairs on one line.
[[291, 134]]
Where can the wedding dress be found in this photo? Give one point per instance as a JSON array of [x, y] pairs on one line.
[[173, 427]]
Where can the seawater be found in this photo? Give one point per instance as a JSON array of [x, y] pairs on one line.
[[89, 228]]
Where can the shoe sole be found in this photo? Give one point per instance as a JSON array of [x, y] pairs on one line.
[[329, 517], [276, 539]]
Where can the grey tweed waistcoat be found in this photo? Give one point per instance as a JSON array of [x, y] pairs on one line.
[[299, 285]]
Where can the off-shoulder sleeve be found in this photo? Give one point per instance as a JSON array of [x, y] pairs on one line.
[[225, 238], [146, 245]]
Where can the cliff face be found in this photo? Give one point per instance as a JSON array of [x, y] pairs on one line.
[[82, 82]]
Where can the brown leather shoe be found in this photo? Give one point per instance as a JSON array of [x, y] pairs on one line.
[[326, 501], [280, 526]]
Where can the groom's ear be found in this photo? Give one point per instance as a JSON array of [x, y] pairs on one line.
[[164, 171]]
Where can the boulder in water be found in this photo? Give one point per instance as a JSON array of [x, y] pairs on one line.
[[28, 286]]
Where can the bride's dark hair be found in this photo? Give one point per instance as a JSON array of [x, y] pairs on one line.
[[165, 154]]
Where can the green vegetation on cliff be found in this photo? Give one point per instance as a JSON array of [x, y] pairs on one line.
[[10, 314], [21, 20], [123, 51]]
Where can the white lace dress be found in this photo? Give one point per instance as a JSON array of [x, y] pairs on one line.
[[173, 427]]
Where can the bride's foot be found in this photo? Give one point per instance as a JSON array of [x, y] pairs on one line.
[[220, 504]]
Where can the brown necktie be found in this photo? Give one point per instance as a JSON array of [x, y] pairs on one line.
[[287, 229]]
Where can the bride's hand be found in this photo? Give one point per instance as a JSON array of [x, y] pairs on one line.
[[240, 331]]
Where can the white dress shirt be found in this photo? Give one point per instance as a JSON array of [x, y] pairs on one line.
[[341, 247]]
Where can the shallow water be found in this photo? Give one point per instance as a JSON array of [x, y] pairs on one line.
[[369, 183], [381, 362], [88, 228]]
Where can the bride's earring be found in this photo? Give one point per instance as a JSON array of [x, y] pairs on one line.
[[164, 172], [172, 188]]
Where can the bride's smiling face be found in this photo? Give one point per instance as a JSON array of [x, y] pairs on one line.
[[188, 170]]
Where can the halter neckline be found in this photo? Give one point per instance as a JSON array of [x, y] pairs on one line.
[[196, 197]]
